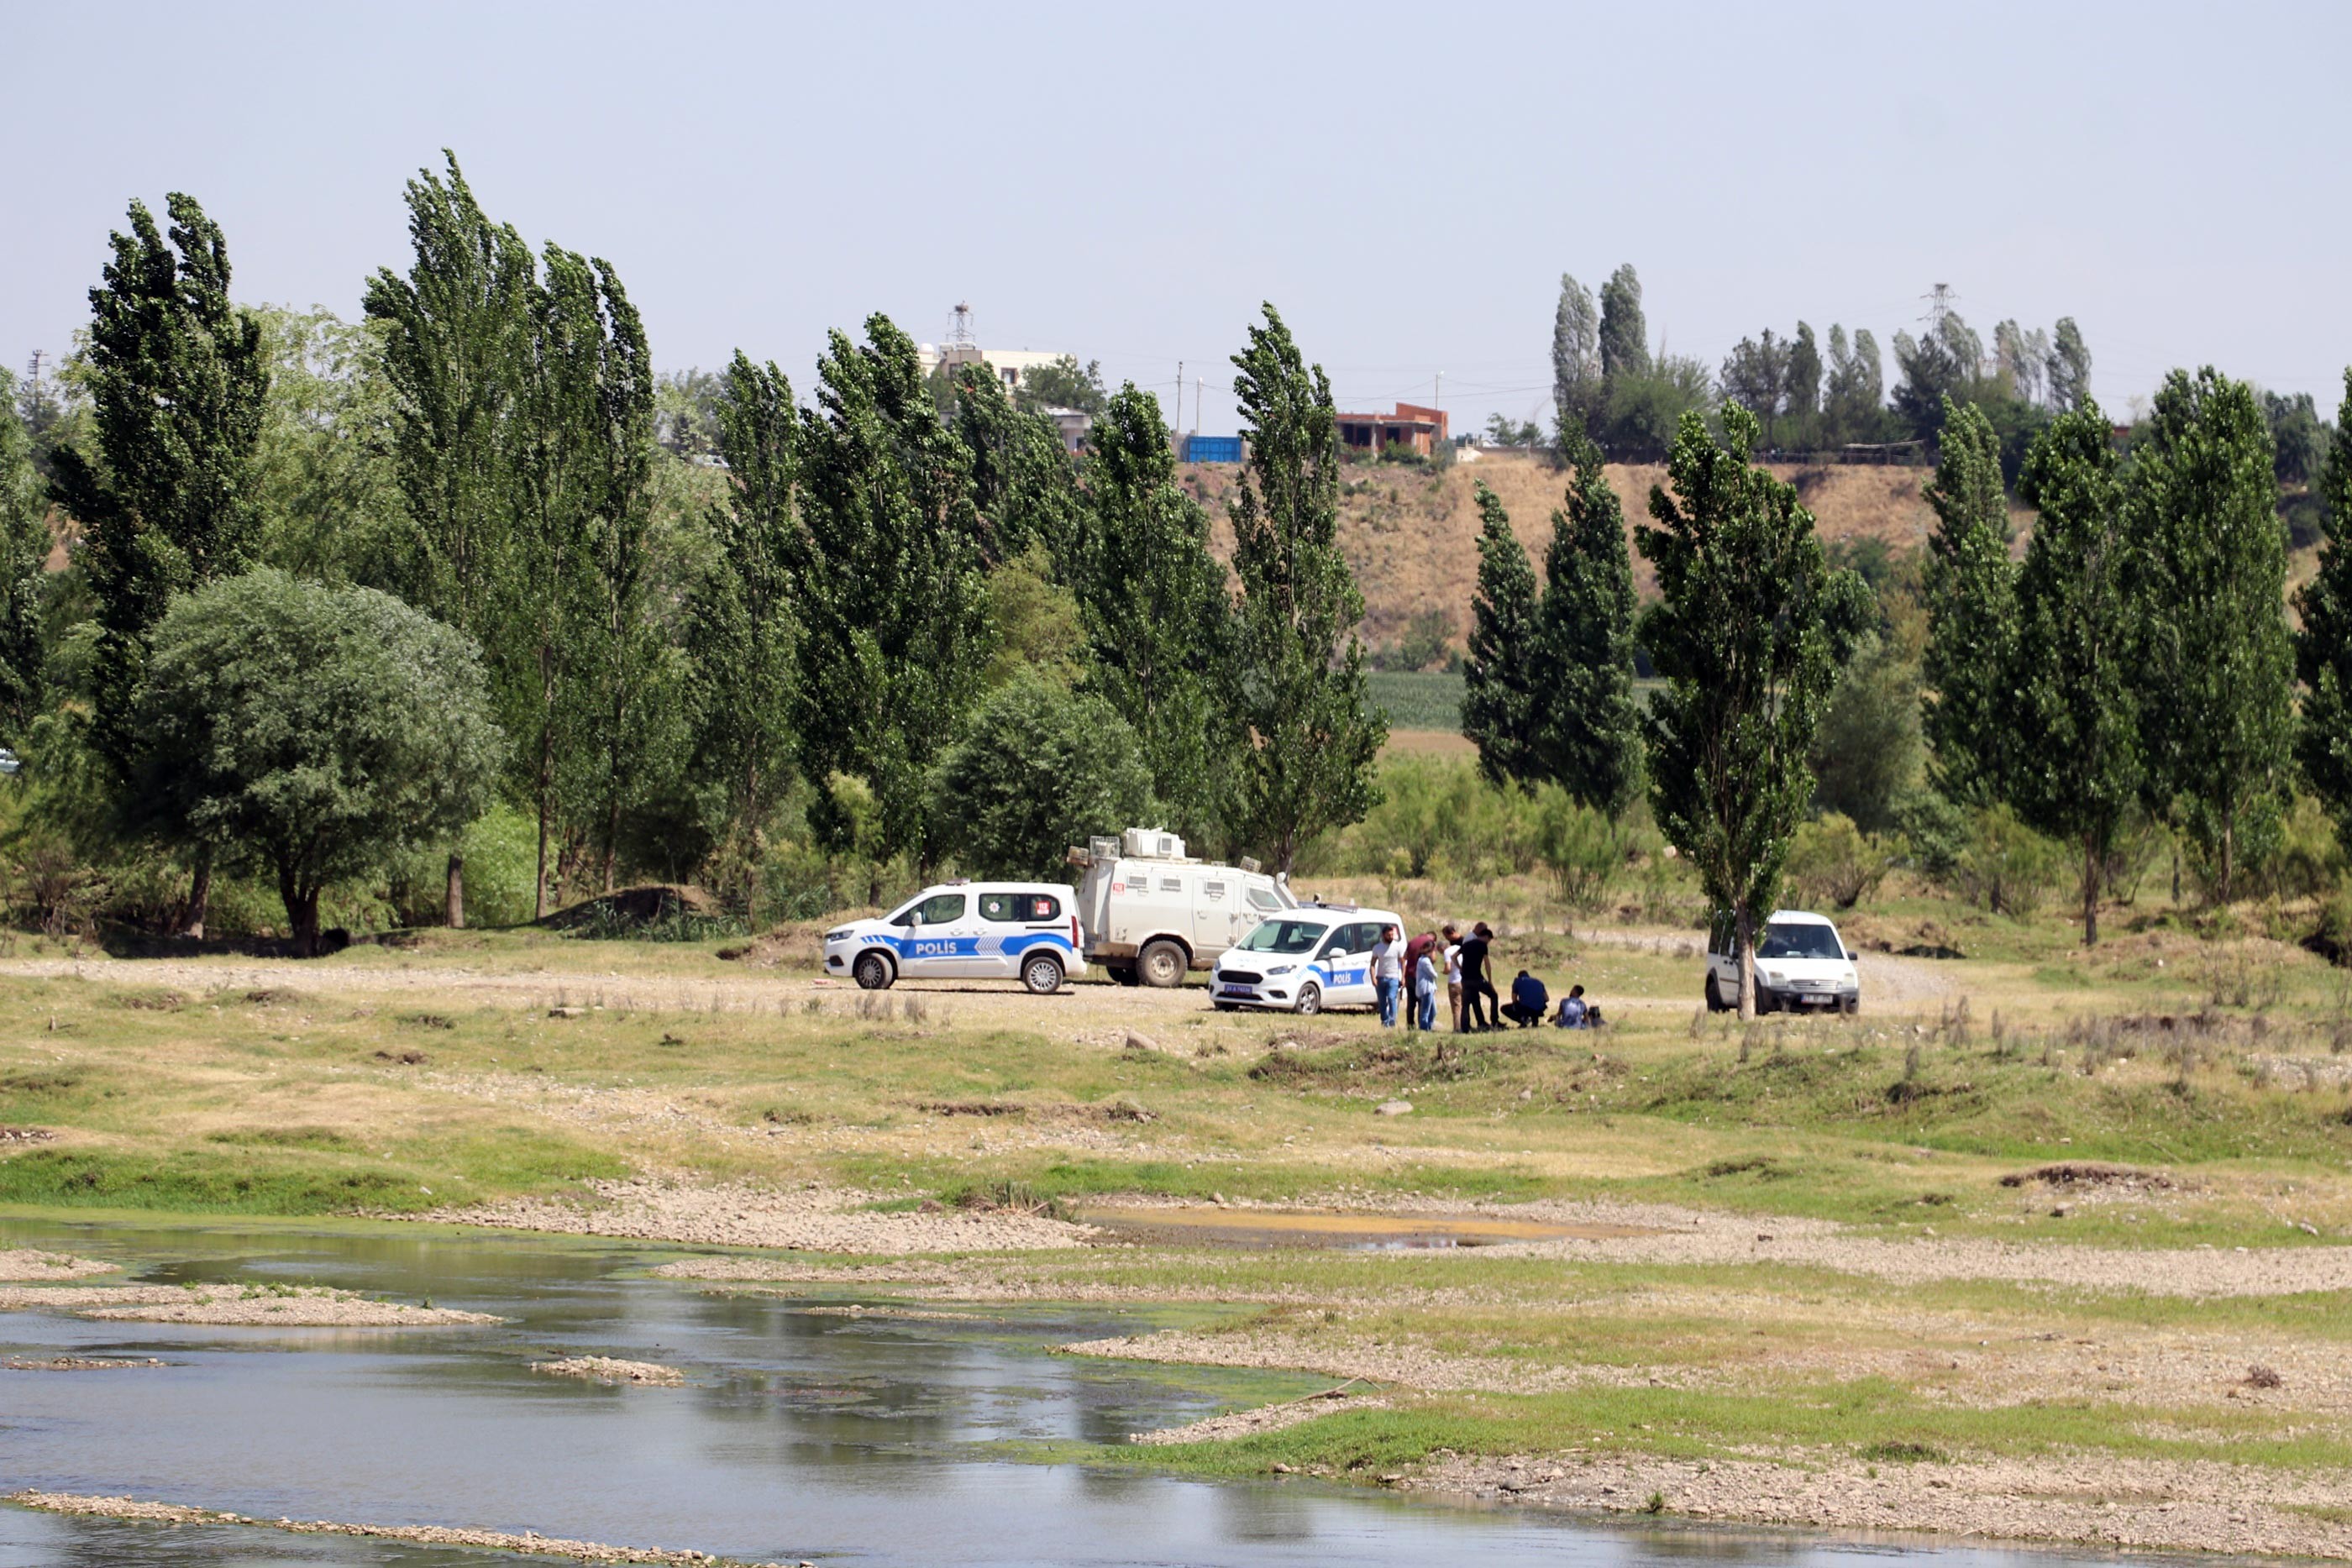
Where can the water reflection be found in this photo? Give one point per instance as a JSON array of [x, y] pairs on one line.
[[860, 1440]]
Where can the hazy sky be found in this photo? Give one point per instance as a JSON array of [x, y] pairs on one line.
[[1127, 183]]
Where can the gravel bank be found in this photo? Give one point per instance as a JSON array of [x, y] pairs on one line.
[[808, 1219], [420, 1534], [606, 1369], [303, 1306], [23, 1263], [77, 1363], [2140, 1503], [1264, 1419]]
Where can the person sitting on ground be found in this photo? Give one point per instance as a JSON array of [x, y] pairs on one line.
[[1528, 1001], [1572, 1008]]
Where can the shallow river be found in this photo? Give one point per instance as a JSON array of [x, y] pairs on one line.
[[801, 1436]]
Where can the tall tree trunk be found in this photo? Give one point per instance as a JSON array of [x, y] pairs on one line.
[[546, 782], [2091, 858], [200, 895], [1744, 924], [611, 835], [301, 903], [2229, 857], [751, 844], [454, 911]]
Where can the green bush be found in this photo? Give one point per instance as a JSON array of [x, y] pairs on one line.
[[2005, 866], [1583, 849], [1832, 860], [1437, 817], [1042, 768]]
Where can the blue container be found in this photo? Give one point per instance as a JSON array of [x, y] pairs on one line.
[[1213, 449]]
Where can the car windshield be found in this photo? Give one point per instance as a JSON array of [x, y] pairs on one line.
[[1798, 939], [1283, 935]]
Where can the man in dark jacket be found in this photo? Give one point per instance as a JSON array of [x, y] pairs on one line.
[[1528, 999], [1479, 993]]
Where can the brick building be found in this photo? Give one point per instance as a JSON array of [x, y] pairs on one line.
[[1420, 429]]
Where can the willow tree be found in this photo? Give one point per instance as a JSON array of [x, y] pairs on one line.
[[1741, 633], [1312, 737]]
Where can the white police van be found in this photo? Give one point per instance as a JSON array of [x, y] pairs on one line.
[[1305, 959], [965, 930]]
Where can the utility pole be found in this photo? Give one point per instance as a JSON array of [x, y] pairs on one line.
[[1197, 383], [1178, 426]]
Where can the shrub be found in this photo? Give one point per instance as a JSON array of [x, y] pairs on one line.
[[2005, 866], [1833, 860], [1580, 846]]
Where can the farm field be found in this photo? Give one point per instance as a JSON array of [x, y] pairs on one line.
[[2042, 1244]]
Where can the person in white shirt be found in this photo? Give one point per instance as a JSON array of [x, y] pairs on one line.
[[1388, 972], [1454, 974]]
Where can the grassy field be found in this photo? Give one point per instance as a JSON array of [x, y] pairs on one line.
[[2166, 1100]]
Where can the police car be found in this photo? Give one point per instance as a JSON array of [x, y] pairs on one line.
[[1304, 959], [965, 931]]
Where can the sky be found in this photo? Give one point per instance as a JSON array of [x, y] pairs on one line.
[[1406, 183]]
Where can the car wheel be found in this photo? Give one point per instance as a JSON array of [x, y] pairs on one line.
[[1311, 999], [1121, 973], [1161, 964], [1849, 1005], [1042, 975], [1227, 1007], [1715, 1002], [873, 972]]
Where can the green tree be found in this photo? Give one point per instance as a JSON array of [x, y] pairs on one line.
[[1866, 756], [1023, 483], [1061, 384], [1159, 620], [1970, 592], [323, 479], [1646, 407], [1740, 634], [24, 546], [1586, 724], [739, 624], [2323, 648], [2217, 672], [1040, 768], [1803, 382], [888, 582], [456, 337], [177, 379], [1755, 375], [1854, 404], [1575, 360], [1313, 739], [2073, 718], [1625, 334], [2068, 371], [313, 731], [1503, 700]]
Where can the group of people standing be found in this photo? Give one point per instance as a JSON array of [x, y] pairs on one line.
[[1408, 972]]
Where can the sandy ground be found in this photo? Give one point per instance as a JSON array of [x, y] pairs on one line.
[[77, 1363], [808, 1219], [606, 1369], [23, 1263], [305, 1306], [420, 1534]]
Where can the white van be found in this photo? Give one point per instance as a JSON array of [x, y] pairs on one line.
[[1306, 959], [1149, 912], [965, 930], [1802, 963]]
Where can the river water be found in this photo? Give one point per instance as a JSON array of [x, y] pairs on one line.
[[801, 1436]]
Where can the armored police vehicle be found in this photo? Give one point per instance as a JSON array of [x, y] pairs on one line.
[[1305, 959], [1149, 912], [965, 930]]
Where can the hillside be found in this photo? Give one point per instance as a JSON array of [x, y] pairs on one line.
[[1411, 536]]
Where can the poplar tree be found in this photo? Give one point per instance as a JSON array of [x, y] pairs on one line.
[[177, 381], [738, 622], [2067, 372], [1624, 332], [1023, 484], [886, 572], [1971, 594], [1158, 619], [1575, 359], [457, 334], [2323, 648], [2070, 720], [1502, 698], [1588, 725], [1313, 740], [1741, 634], [24, 546], [2217, 672]]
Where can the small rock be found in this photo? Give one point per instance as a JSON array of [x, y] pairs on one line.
[[1136, 1041], [566, 1012], [1394, 1108], [1282, 1470], [1763, 1236]]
